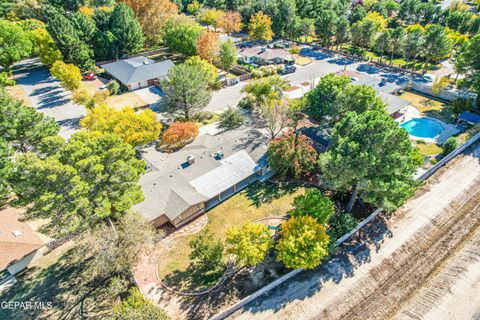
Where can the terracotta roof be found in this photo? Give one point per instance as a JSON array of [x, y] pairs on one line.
[[15, 247]]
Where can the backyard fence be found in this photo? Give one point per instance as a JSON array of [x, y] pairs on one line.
[[229, 311], [449, 157]]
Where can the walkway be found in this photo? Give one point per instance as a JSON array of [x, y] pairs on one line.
[[145, 272]]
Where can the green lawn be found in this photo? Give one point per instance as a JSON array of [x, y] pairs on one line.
[[256, 201], [429, 149], [430, 107]]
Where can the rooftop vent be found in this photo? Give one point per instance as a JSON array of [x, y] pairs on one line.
[[146, 61], [17, 233], [191, 159], [218, 155]]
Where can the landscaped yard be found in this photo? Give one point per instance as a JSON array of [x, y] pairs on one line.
[[256, 201], [429, 149], [430, 107], [130, 99]]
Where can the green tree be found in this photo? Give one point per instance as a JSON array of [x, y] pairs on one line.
[[136, 307], [326, 27], [260, 27], [313, 204], [357, 98], [182, 37], [303, 243], [91, 178], [187, 91], [22, 125], [372, 156], [382, 43], [126, 30], [437, 44], [343, 33], [6, 168], [230, 119], [396, 42], [322, 100], [266, 91], [249, 244], [207, 253], [414, 41], [227, 57], [340, 224], [469, 63], [291, 155], [73, 49], [15, 44], [205, 68], [68, 74]]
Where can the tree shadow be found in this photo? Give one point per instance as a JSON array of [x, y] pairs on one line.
[[193, 278], [265, 192], [63, 284]]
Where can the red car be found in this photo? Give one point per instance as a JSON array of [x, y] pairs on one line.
[[90, 76]]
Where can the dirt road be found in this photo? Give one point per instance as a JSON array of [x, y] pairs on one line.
[[422, 262]]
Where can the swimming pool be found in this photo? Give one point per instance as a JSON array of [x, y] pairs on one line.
[[422, 127]]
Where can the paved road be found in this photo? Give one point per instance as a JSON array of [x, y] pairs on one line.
[[47, 96], [323, 63], [357, 281]]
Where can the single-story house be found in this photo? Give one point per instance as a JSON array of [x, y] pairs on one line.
[[19, 244], [262, 55], [138, 72], [396, 106], [184, 184]]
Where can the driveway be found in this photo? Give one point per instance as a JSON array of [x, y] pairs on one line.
[[47, 96]]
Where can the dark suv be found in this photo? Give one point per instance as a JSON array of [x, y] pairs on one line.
[[288, 69]]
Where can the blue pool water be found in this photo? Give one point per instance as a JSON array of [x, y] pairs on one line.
[[422, 127]]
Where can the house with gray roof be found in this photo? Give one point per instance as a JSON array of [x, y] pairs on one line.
[[138, 72], [182, 185]]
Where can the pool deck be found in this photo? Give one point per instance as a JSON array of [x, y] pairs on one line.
[[448, 129]]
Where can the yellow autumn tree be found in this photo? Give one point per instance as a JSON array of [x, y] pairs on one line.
[[69, 75], [260, 27], [133, 128], [152, 15], [231, 22], [303, 243]]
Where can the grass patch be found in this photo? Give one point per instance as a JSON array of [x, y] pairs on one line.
[[301, 60], [430, 107], [215, 118], [125, 99], [256, 201], [429, 149]]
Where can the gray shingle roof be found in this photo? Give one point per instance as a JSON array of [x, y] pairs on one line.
[[138, 69], [172, 186], [393, 103]]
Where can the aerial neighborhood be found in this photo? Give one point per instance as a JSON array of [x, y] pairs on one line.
[[213, 159]]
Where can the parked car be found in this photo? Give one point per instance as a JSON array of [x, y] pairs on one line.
[[90, 76], [288, 69]]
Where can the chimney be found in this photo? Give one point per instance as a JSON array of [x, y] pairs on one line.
[[191, 159]]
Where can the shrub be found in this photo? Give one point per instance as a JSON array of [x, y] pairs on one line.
[[292, 156], [249, 244], [450, 145], [313, 204], [303, 243], [113, 87], [207, 252], [231, 119], [294, 50], [179, 134], [461, 105], [267, 71], [245, 103], [339, 225]]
